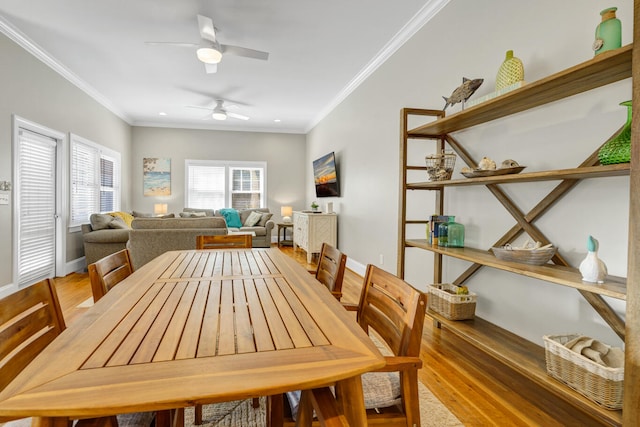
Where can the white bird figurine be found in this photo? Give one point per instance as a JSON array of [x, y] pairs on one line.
[[592, 268]]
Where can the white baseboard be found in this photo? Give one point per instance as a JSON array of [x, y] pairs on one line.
[[77, 265], [356, 267]]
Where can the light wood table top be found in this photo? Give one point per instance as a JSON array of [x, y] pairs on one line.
[[197, 327]]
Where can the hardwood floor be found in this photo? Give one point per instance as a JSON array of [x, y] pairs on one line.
[[479, 391]]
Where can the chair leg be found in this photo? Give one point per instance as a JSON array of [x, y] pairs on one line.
[[411, 400], [255, 403], [197, 417], [275, 410]]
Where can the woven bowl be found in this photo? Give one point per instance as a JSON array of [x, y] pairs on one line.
[[526, 256]]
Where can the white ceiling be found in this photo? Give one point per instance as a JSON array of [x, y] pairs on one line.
[[319, 51]]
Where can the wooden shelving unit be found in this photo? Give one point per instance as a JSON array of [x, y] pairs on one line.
[[510, 349]]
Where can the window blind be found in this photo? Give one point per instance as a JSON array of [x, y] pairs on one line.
[[37, 207], [84, 178], [205, 186]]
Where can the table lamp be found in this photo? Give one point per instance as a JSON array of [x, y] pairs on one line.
[[160, 209], [286, 212]]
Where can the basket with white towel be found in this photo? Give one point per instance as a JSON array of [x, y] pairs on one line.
[[592, 368]]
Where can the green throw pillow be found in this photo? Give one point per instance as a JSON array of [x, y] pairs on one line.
[[232, 217]]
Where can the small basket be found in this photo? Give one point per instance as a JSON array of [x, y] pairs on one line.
[[599, 383], [526, 256], [444, 300], [440, 166]]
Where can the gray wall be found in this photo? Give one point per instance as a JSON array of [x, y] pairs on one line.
[[469, 39], [33, 91], [284, 154]]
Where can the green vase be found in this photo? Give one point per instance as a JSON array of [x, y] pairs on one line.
[[608, 32], [618, 148]]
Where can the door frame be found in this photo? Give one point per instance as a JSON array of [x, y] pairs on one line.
[[61, 196]]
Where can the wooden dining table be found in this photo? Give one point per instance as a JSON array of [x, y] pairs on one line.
[[197, 327]]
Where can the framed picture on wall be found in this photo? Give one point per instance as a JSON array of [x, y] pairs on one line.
[[156, 176]]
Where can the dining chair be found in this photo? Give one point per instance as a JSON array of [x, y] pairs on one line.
[[330, 271], [30, 320], [108, 272], [223, 241], [392, 312]]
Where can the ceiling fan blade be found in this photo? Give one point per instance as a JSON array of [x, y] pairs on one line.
[[211, 68], [199, 107], [243, 51], [178, 44], [237, 116], [207, 30]]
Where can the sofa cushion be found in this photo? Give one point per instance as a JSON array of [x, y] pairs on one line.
[[209, 212], [100, 221], [118, 223], [232, 217], [253, 218], [137, 214], [264, 217], [193, 214]]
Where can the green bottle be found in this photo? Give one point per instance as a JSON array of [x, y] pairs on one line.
[[608, 32], [455, 234], [443, 233]]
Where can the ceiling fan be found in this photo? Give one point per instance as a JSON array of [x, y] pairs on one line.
[[211, 51], [220, 112]]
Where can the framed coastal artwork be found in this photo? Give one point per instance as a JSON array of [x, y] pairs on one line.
[[156, 176]]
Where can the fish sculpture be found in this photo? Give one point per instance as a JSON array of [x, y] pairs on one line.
[[463, 92]]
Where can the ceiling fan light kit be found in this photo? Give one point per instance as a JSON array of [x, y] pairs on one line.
[[219, 115], [209, 55]]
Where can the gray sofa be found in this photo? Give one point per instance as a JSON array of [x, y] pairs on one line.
[[262, 230], [100, 243], [151, 237]]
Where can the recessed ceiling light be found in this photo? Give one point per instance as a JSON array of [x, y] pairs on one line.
[[162, 113], [277, 120]]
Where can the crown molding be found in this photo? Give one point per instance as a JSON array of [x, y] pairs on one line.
[[23, 41], [423, 16]]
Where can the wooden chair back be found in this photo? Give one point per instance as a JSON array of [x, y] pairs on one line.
[[224, 241], [108, 272], [330, 272], [29, 320], [396, 312]]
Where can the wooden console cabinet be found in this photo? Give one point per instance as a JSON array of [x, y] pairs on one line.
[[311, 230]]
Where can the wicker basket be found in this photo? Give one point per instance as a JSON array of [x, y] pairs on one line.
[[527, 256], [599, 383], [440, 166], [451, 305]]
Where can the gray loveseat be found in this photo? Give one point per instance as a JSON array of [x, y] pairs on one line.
[[100, 243], [262, 229], [151, 237]]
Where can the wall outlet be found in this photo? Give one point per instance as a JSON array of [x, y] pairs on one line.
[[4, 198]]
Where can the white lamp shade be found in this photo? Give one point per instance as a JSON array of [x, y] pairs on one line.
[[286, 212], [160, 208]]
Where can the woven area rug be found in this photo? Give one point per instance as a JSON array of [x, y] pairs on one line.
[[242, 414]]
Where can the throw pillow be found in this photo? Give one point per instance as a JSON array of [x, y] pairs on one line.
[[118, 223], [232, 217], [100, 221], [126, 217], [253, 218], [264, 218]]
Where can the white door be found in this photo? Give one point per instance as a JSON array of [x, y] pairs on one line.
[[36, 206]]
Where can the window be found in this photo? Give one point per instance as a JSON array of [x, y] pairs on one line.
[[95, 180], [219, 184]]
